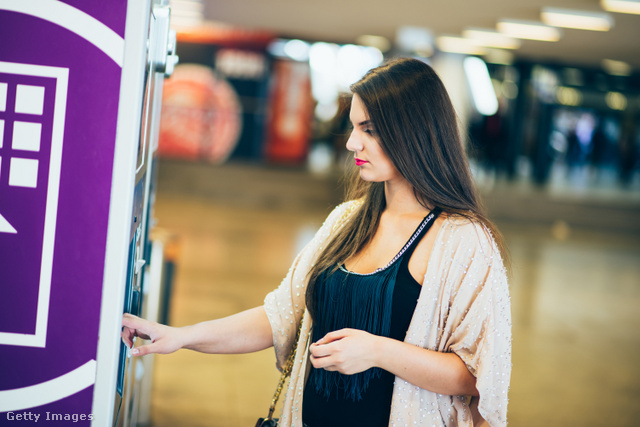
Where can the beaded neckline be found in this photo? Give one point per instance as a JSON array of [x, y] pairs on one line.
[[425, 221]]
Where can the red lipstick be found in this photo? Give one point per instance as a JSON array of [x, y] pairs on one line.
[[360, 162]]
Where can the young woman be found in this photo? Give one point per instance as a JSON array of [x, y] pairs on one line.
[[401, 298]]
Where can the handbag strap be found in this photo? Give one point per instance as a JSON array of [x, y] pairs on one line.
[[286, 371]]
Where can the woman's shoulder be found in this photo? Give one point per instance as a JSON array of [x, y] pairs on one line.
[[342, 212], [469, 244], [349, 206], [472, 233]]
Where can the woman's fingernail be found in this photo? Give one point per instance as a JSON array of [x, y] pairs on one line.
[[135, 351]]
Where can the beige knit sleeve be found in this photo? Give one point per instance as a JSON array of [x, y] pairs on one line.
[[478, 325]]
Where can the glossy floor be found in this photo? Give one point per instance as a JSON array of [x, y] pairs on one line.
[[575, 303]]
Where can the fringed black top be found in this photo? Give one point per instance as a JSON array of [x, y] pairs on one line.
[[381, 303]]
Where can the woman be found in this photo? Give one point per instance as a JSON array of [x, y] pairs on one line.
[[403, 284]]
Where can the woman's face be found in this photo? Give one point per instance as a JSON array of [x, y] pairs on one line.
[[374, 164]]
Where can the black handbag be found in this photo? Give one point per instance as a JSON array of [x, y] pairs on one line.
[[269, 421]]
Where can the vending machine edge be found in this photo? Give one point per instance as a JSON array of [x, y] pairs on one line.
[[149, 55], [80, 92]]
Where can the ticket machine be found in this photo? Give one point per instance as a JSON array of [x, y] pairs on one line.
[[80, 96]]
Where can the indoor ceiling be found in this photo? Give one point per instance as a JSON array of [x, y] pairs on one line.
[[343, 21]]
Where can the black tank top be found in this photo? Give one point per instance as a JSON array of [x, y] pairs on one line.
[[361, 301]]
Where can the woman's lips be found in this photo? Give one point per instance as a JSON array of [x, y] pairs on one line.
[[360, 162]]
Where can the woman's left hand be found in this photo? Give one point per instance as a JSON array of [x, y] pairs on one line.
[[347, 351]]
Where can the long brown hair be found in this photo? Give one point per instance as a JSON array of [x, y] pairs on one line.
[[418, 130]]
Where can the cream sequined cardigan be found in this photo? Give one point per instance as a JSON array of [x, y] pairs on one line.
[[463, 308]]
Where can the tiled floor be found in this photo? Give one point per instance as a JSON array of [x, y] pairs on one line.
[[575, 303]]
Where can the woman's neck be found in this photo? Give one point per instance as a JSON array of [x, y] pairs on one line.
[[401, 199]]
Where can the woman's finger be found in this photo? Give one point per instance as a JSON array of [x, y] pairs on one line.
[[155, 347], [134, 322], [127, 336], [333, 336], [321, 362], [320, 350]]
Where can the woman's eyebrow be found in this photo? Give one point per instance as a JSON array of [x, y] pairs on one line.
[[362, 123]]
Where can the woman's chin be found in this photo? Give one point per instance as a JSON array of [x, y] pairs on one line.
[[369, 177], [366, 177]]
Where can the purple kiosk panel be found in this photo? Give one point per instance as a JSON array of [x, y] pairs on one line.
[[59, 91]]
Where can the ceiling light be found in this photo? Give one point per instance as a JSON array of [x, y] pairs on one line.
[[509, 89], [498, 56], [582, 20], [568, 96], [354, 61], [621, 6], [297, 50], [491, 38], [482, 92], [453, 44], [322, 57], [529, 30], [276, 48], [616, 101], [616, 68]]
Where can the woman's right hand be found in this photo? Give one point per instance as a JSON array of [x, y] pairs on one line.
[[164, 339]]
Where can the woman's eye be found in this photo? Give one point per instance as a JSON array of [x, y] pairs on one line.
[[369, 131]]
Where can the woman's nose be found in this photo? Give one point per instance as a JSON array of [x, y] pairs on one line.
[[353, 144]]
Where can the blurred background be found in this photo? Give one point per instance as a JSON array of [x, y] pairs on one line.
[[252, 155]]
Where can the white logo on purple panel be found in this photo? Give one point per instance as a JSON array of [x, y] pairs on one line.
[[21, 157], [30, 160]]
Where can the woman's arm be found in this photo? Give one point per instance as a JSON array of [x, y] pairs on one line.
[[244, 332], [443, 373], [350, 351]]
